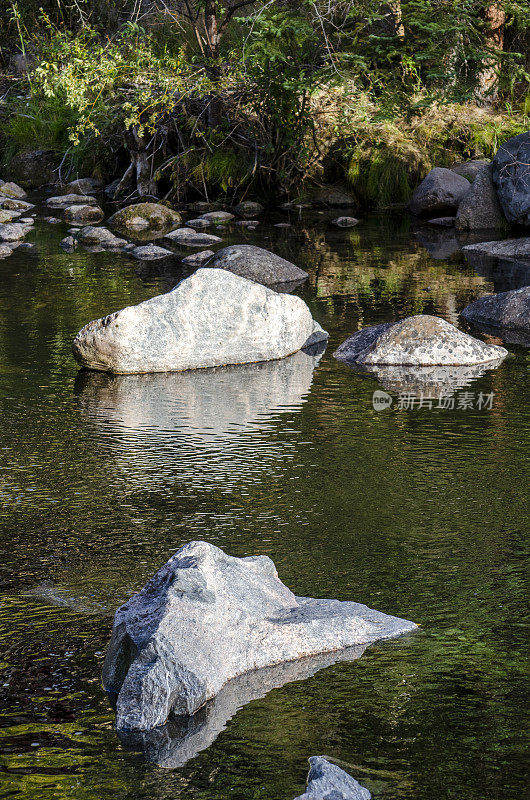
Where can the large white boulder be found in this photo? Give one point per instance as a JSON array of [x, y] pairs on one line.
[[205, 618], [210, 319], [421, 340]]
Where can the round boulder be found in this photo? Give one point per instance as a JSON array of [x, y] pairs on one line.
[[439, 193], [257, 264], [82, 214], [417, 341], [345, 222], [511, 176], [480, 208], [143, 216]]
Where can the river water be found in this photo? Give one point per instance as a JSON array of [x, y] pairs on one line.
[[417, 511]]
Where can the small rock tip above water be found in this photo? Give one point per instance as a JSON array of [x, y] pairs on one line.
[[327, 781]]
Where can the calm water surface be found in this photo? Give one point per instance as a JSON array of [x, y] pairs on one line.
[[421, 513]]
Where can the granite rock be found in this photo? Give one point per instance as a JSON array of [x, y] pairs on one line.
[[327, 781], [509, 310], [205, 618], [480, 208], [509, 248], [439, 193], [81, 214], [420, 340], [256, 264], [210, 319], [187, 237], [511, 176]]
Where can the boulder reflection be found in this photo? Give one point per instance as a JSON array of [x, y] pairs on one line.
[[432, 381], [182, 738]]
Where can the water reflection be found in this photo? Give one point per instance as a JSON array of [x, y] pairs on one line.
[[183, 738], [213, 421], [505, 274], [431, 381]]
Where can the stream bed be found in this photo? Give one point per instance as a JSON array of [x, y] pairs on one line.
[[421, 512]]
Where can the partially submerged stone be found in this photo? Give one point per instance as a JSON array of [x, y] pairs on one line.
[[197, 259], [439, 193], [480, 208], [345, 222], [332, 198], [14, 204], [218, 216], [68, 244], [205, 618], [251, 224], [5, 250], [187, 237], [511, 176], [442, 222], [210, 319], [143, 216], [12, 231], [98, 236], [510, 310], [509, 248], [83, 214], [66, 200], [248, 208], [327, 781], [257, 264], [150, 252], [198, 223], [422, 340]]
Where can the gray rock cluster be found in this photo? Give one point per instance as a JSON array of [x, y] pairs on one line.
[[205, 618], [210, 319], [479, 195]]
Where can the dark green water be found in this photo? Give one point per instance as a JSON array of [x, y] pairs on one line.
[[420, 513]]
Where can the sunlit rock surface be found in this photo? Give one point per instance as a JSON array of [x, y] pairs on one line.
[[182, 738], [210, 319], [205, 618], [421, 340], [327, 781], [440, 192]]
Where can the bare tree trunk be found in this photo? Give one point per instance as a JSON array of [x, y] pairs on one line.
[[141, 162], [213, 39], [495, 19]]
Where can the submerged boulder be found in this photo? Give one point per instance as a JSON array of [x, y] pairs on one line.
[[335, 198], [81, 214], [197, 259], [480, 207], [345, 222], [143, 216], [509, 248], [257, 264], [421, 340], [439, 193], [188, 237], [150, 252], [95, 236], [205, 618], [218, 216], [509, 310], [326, 781], [66, 200], [210, 319], [248, 208], [511, 176]]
